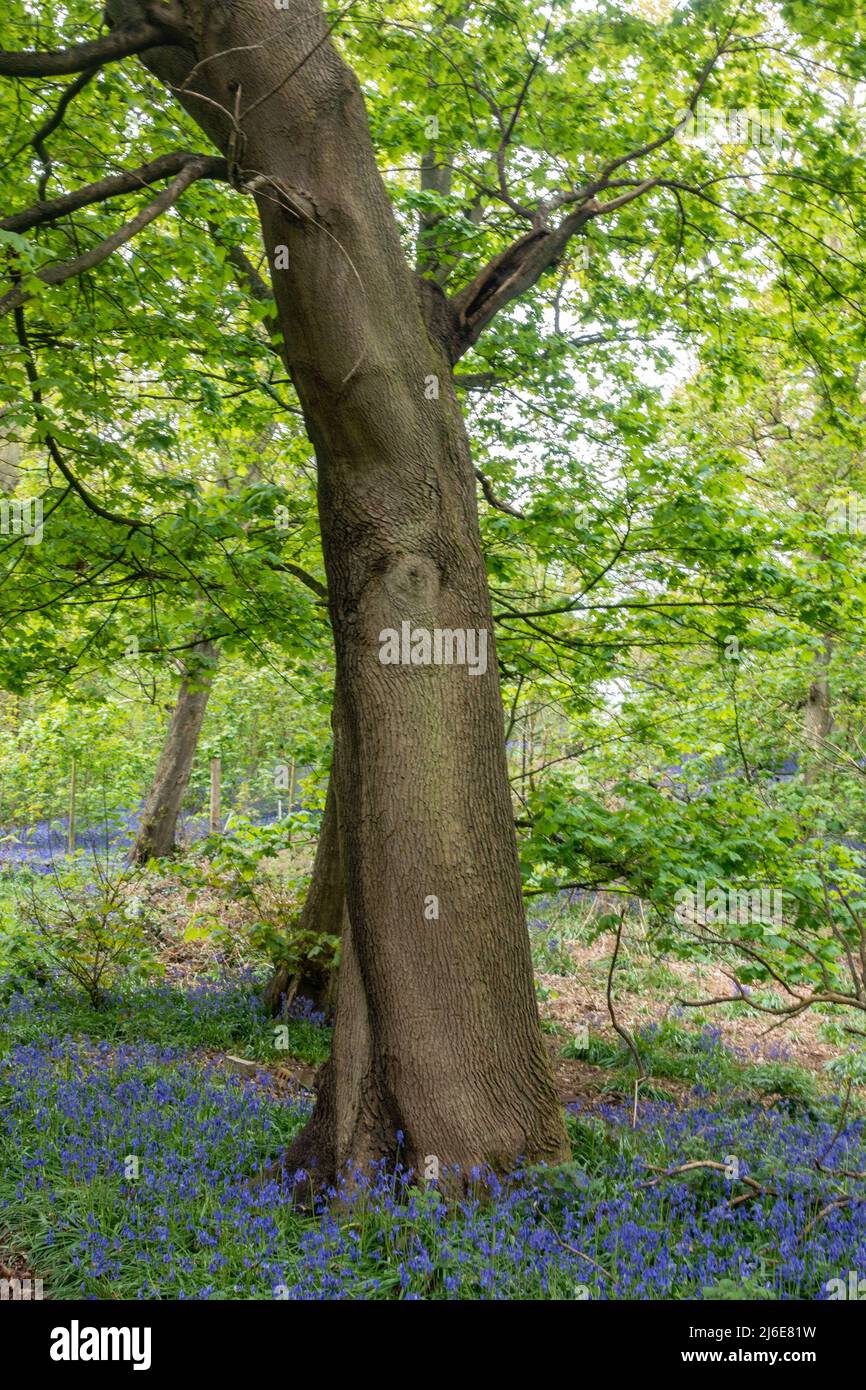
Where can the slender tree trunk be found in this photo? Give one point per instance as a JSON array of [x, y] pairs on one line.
[[437, 1051], [158, 828], [322, 914], [818, 719]]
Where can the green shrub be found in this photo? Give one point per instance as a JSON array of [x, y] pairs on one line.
[[84, 924], [247, 867]]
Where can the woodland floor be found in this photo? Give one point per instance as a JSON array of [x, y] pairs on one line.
[[188, 1066]]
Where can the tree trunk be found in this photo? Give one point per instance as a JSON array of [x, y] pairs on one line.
[[437, 1051], [818, 719], [321, 914], [158, 828]]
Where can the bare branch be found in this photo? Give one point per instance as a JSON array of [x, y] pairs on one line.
[[713, 1166], [623, 1033]]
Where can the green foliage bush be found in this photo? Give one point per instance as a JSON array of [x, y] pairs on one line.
[[86, 925], [248, 866]]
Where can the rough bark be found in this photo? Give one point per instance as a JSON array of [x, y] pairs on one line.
[[322, 913], [158, 829], [437, 1049]]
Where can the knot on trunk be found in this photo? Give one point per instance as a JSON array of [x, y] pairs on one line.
[[411, 585]]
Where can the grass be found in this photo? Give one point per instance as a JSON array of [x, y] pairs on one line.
[[218, 1015], [700, 1059]]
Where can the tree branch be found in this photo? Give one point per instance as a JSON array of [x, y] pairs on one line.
[[48, 127], [113, 187], [249, 277], [477, 381], [288, 567], [198, 167], [30, 367], [508, 275], [487, 489], [519, 266], [61, 62]]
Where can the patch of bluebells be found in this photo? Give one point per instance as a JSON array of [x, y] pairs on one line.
[[191, 1225], [221, 1002], [41, 844], [709, 1039], [228, 1010], [550, 952], [776, 1241], [303, 1010]]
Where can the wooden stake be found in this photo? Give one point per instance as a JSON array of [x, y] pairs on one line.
[[73, 777], [214, 795]]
